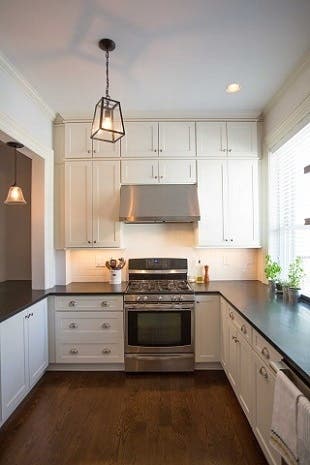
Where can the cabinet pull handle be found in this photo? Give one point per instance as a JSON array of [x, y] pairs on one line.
[[229, 150], [263, 372], [155, 177], [26, 317], [232, 316], [266, 353], [104, 303], [197, 301], [72, 303], [95, 242], [231, 240], [161, 177], [243, 329], [160, 150], [106, 351], [223, 150], [89, 242], [106, 325], [94, 151], [74, 351], [155, 150], [73, 325], [88, 151], [234, 338]]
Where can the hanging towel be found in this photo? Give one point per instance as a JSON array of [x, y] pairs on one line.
[[283, 435], [303, 431]]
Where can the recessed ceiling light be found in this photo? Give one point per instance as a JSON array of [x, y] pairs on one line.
[[233, 87]]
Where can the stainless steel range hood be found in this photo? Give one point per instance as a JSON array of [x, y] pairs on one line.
[[165, 203]]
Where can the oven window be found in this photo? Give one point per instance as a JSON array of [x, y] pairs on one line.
[[159, 329]]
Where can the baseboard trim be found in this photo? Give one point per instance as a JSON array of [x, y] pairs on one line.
[[208, 366], [86, 367]]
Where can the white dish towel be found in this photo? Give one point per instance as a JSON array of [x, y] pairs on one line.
[[283, 435], [303, 431]]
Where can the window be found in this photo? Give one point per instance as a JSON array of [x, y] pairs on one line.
[[289, 203]]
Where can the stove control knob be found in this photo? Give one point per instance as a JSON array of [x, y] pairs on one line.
[[138, 298], [175, 298], [145, 297], [160, 297], [181, 297]]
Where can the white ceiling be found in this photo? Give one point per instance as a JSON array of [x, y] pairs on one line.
[[172, 57]]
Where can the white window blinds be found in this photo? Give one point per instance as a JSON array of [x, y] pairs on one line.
[[289, 203]]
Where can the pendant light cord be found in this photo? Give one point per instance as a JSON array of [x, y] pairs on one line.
[[15, 167], [107, 74]]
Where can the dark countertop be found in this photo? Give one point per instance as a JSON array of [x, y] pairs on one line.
[[286, 328]]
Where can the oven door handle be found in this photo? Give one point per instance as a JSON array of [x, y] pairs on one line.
[[158, 309]]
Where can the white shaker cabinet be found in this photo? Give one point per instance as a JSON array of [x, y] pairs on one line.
[[164, 139], [158, 171], [92, 203], [228, 199], [235, 139], [78, 143], [24, 354], [207, 329]]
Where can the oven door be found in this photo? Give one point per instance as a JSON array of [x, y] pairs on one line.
[[159, 329]]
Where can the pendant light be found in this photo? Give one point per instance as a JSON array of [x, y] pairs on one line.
[[108, 122], [15, 195]]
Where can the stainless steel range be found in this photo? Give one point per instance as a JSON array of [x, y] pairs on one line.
[[159, 314]]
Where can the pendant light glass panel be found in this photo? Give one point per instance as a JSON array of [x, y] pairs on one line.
[[108, 122], [15, 196]]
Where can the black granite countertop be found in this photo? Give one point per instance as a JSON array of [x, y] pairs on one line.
[[286, 328]]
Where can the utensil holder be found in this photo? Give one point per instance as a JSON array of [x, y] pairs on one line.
[[115, 276]]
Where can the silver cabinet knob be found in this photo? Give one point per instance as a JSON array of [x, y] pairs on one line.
[[73, 325], [156, 177], [138, 298], [229, 150], [265, 353], [106, 350], [72, 303], [104, 303], [160, 150], [155, 150], [106, 325], [161, 177], [263, 372], [223, 150], [145, 298], [231, 240], [74, 351], [243, 329]]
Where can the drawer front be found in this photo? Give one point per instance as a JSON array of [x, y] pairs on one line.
[[89, 326], [89, 352], [89, 303], [240, 323], [264, 349]]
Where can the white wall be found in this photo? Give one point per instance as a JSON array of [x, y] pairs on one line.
[[26, 118], [169, 240]]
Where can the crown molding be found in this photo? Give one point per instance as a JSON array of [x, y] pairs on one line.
[[303, 64], [10, 69]]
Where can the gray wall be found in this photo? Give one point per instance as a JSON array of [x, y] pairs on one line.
[[15, 221]]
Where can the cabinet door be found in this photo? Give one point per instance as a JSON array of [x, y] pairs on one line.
[[264, 389], [242, 211], [78, 143], [106, 189], [211, 139], [212, 194], [177, 139], [141, 140], [14, 362], [224, 351], [207, 328], [106, 149], [177, 171], [242, 139], [246, 375], [139, 172], [233, 357], [37, 341], [78, 204]]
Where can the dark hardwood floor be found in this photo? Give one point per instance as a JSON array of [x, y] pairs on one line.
[[97, 418]]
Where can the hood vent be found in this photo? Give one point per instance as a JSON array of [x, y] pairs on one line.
[[165, 203]]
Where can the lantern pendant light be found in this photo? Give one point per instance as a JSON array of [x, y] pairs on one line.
[[15, 195], [108, 125]]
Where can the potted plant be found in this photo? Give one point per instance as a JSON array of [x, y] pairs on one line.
[[295, 276], [285, 286], [272, 272]]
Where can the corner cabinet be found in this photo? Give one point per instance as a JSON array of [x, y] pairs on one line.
[[24, 354], [92, 204], [228, 198]]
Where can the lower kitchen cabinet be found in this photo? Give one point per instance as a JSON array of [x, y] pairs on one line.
[[24, 354], [207, 329]]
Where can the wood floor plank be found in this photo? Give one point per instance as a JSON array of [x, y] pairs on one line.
[[99, 418]]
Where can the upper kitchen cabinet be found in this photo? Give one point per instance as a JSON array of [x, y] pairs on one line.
[[158, 171], [152, 139], [238, 139], [228, 199], [140, 140], [92, 204], [78, 143], [177, 139]]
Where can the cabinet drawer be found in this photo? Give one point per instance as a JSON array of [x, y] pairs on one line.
[[240, 323], [89, 353], [89, 326], [89, 303], [264, 349]]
